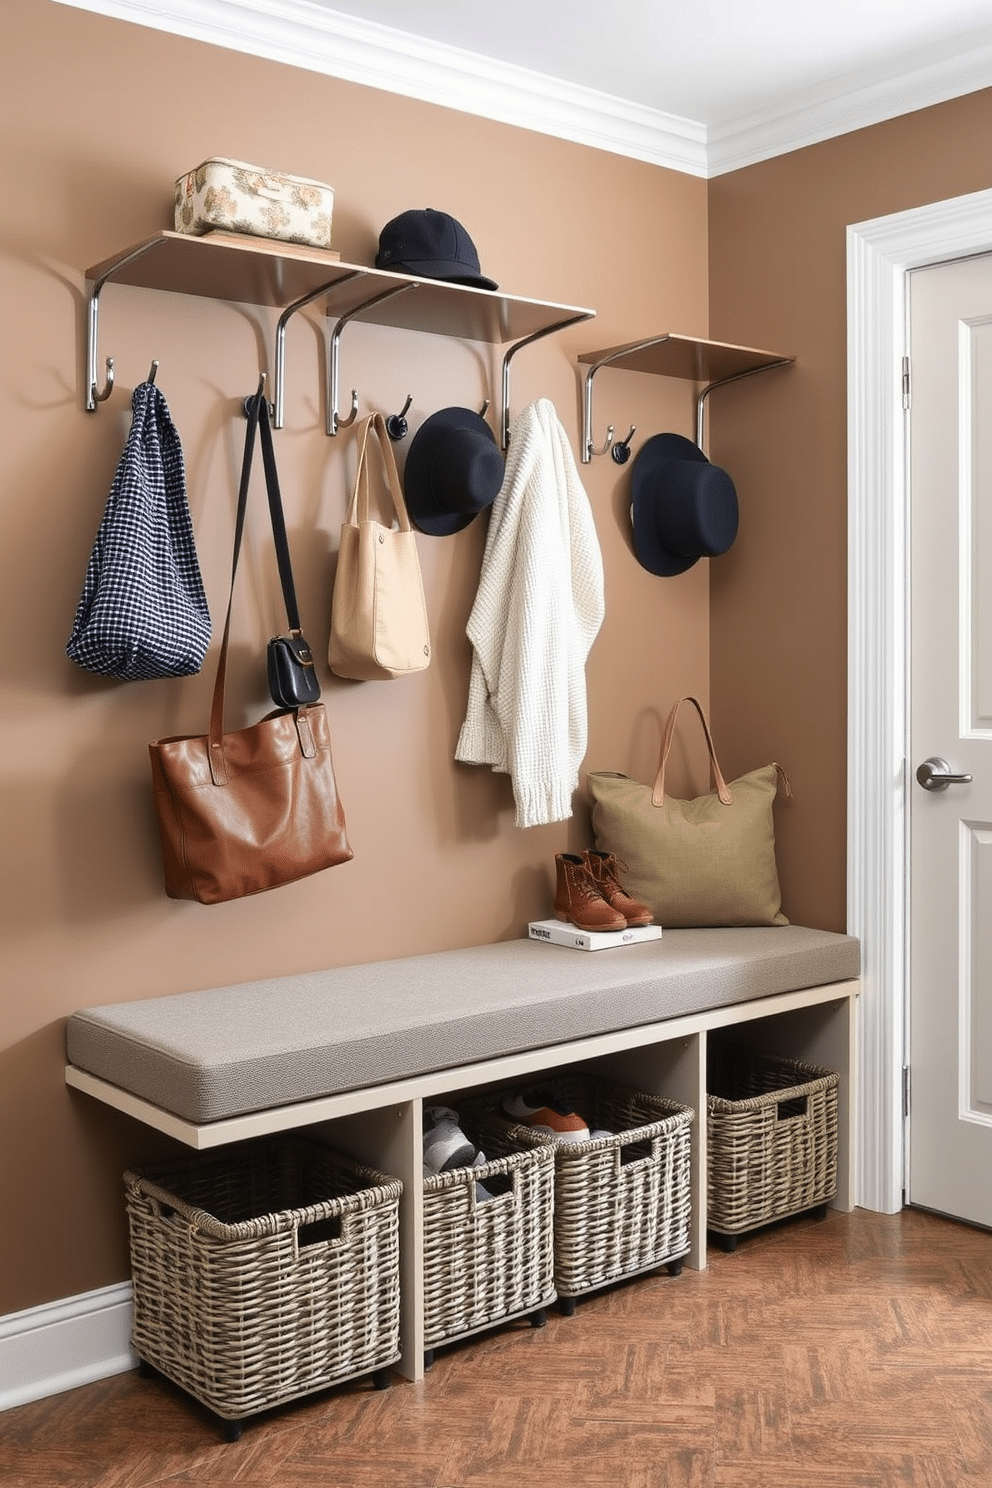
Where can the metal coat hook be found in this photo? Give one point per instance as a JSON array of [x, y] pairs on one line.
[[589, 449], [620, 451], [93, 394], [396, 424], [258, 393], [334, 419], [96, 396], [484, 409], [153, 373], [278, 404]]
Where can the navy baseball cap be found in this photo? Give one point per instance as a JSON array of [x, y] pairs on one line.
[[431, 244]]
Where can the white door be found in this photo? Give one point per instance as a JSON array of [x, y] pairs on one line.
[[950, 889]]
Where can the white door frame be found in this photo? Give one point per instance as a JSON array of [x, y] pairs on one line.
[[879, 255]]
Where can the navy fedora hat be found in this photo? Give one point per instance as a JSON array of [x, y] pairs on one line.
[[453, 471], [682, 507], [432, 244]]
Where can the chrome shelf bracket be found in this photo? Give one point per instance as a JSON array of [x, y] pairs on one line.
[[93, 395], [722, 382], [279, 392], [550, 330], [588, 448], [334, 419]]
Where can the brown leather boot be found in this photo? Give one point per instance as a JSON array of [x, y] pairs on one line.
[[604, 870], [578, 900]]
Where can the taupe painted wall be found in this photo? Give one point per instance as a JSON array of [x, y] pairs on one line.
[[99, 118], [777, 613]]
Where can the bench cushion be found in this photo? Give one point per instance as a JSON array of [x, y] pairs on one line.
[[209, 1055]]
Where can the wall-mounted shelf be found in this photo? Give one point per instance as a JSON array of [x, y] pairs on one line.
[[258, 271], [712, 363]]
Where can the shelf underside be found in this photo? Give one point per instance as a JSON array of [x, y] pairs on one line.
[[225, 266], [685, 357]]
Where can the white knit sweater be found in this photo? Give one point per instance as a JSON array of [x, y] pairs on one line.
[[538, 610]]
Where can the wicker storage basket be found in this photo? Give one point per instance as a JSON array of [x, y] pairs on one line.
[[772, 1128], [487, 1260], [264, 1273], [622, 1202]]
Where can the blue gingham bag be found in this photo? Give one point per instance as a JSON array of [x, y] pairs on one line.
[[143, 611]]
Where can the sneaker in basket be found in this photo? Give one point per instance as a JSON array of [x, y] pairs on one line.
[[482, 1193], [542, 1111], [445, 1144]]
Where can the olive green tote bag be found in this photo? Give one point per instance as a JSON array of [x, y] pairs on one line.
[[705, 862]]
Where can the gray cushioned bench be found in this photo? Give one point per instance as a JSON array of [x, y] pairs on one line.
[[357, 1050], [210, 1055]]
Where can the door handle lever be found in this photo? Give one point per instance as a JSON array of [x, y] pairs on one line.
[[935, 774]]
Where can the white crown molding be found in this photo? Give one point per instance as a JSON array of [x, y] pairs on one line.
[[63, 1344], [301, 34], [838, 108]]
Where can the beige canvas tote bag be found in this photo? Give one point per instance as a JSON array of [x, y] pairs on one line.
[[379, 626]]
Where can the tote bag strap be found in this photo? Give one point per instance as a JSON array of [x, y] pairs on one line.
[[257, 410], [658, 793], [359, 511]]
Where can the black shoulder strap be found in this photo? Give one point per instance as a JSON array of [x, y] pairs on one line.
[[276, 514]]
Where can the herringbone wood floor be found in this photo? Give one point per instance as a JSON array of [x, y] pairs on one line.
[[855, 1353]]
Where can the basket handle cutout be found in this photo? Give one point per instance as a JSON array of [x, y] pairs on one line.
[[502, 1189], [320, 1232], [501, 1183], [636, 1152], [797, 1106]]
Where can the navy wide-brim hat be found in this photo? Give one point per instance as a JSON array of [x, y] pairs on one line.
[[433, 245], [453, 471], [682, 507]]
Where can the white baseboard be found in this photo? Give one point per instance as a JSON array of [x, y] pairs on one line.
[[60, 1345]]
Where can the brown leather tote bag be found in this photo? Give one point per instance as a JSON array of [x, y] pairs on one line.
[[242, 812]]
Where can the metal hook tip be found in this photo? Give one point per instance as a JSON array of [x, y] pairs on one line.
[[108, 386], [621, 451], [345, 423], [606, 445]]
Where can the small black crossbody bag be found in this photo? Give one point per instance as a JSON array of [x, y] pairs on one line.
[[289, 660]]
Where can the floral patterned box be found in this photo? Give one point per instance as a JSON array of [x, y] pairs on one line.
[[240, 198]]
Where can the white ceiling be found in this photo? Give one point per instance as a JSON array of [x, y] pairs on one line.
[[705, 60], [702, 86]]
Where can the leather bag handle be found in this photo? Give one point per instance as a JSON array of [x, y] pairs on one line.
[[359, 510], [658, 793]]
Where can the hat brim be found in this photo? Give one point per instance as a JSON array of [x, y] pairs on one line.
[[423, 509], [451, 271]]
